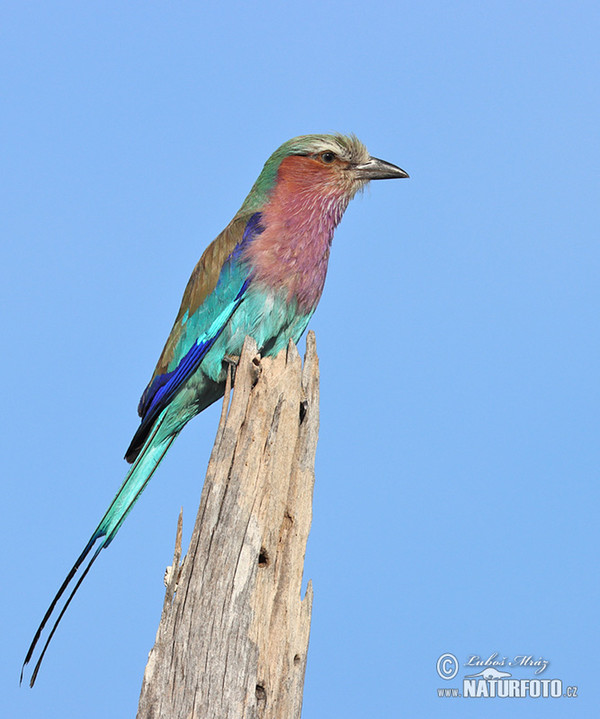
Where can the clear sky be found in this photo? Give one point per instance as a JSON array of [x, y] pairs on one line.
[[456, 499]]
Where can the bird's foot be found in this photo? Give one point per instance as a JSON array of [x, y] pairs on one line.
[[232, 362]]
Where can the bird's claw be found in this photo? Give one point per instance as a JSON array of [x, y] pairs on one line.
[[231, 362]]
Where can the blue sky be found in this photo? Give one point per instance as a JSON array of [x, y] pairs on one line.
[[457, 470]]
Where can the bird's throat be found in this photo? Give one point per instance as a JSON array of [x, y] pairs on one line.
[[292, 252]]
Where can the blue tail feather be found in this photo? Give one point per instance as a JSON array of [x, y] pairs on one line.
[[136, 480]]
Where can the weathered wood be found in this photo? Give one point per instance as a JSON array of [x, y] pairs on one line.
[[234, 631]]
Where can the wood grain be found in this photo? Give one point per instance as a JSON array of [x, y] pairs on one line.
[[234, 630]]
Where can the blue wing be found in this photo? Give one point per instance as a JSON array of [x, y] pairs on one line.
[[164, 387], [195, 335]]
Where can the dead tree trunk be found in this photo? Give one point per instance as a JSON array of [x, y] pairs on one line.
[[234, 630]]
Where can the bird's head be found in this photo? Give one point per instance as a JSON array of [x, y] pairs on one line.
[[332, 166]]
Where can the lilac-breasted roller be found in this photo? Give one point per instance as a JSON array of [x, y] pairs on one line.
[[262, 276]]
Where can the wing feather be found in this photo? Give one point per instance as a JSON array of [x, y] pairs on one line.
[[202, 282], [215, 291]]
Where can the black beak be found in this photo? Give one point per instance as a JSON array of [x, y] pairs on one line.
[[375, 169]]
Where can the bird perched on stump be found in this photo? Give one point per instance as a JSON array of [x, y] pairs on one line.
[[262, 276]]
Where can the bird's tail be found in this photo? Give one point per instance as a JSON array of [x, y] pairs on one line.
[[135, 481]]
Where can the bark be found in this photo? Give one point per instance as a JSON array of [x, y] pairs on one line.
[[234, 630]]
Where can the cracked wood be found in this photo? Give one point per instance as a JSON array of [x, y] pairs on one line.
[[233, 635]]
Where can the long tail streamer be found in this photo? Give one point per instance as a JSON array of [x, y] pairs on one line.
[[136, 480]]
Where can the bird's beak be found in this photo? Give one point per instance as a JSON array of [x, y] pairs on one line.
[[376, 169]]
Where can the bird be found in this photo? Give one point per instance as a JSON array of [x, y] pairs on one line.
[[262, 277]]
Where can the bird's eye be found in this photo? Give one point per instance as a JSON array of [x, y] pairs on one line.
[[327, 157]]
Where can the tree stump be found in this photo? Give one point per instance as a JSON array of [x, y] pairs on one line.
[[233, 635]]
